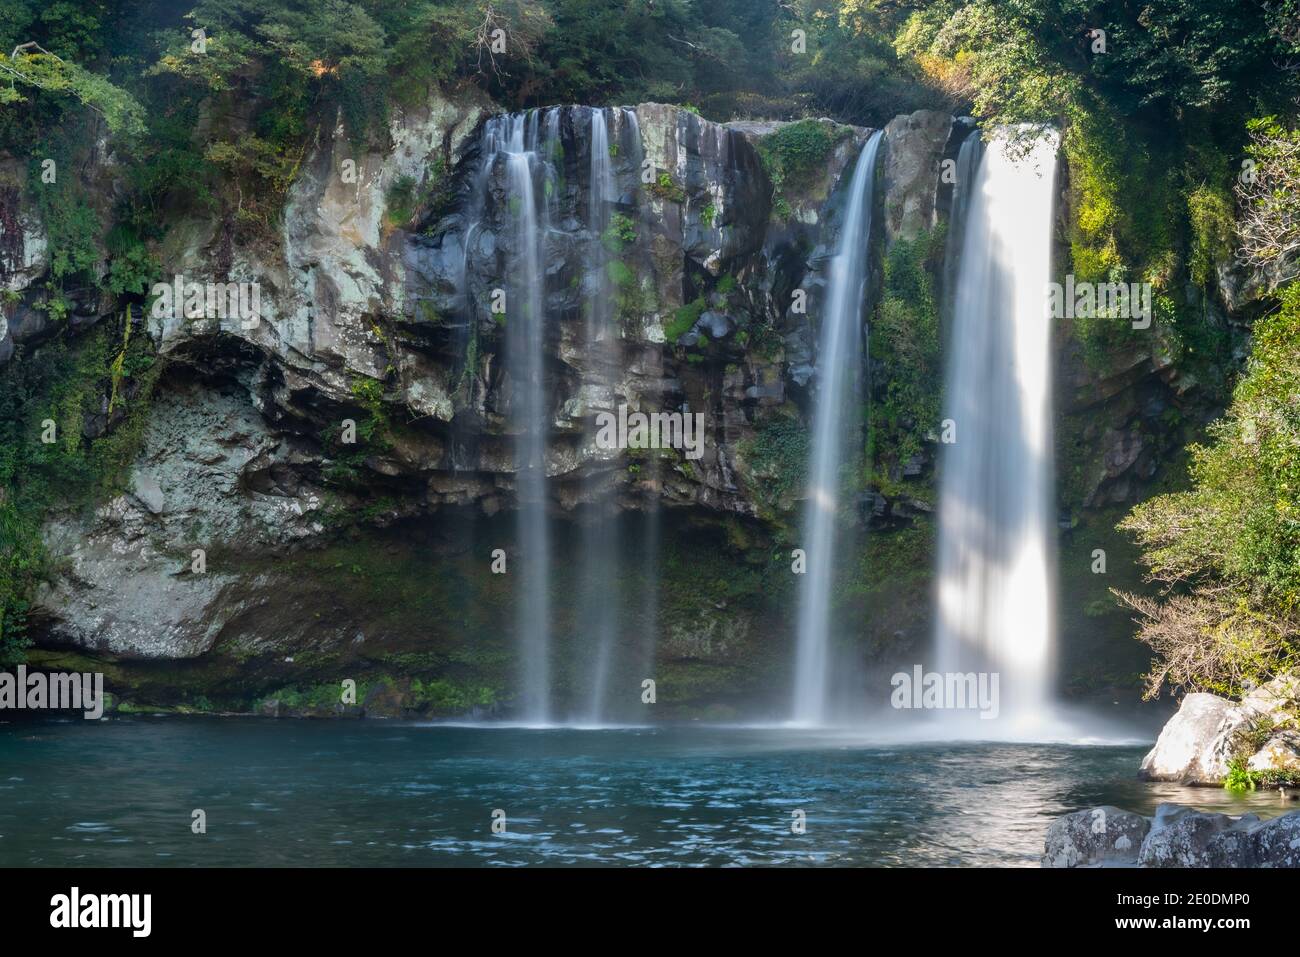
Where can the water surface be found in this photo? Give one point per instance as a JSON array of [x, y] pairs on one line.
[[121, 792]]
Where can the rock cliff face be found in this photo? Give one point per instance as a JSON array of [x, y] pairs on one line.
[[25, 251], [257, 549], [366, 318]]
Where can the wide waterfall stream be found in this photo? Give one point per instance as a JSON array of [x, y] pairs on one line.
[[996, 528]]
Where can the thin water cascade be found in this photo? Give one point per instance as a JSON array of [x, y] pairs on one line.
[[515, 139], [517, 194], [995, 560], [599, 616], [643, 628], [968, 157], [601, 194], [839, 361]]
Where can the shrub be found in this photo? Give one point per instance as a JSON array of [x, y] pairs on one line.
[[1227, 551], [905, 338], [778, 454], [65, 384], [683, 319], [666, 188]]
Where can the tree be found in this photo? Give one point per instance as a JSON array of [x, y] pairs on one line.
[[1268, 193], [30, 65], [1226, 553]]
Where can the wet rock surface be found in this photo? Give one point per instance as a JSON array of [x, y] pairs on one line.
[[366, 319], [1175, 837], [375, 314], [1097, 836]]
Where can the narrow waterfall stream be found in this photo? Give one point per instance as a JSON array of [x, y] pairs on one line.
[[599, 616], [968, 158], [524, 157], [839, 361], [995, 565], [643, 605], [523, 171]]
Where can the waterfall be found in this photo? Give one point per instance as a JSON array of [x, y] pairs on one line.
[[995, 610], [839, 360], [514, 141], [968, 157], [600, 198], [645, 627], [519, 219], [600, 606]]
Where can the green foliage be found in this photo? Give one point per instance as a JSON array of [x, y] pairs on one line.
[[71, 227], [851, 69], [991, 54], [323, 698], [633, 296], [795, 158], [265, 168], [441, 696], [373, 435], [68, 385], [48, 73], [1239, 777], [132, 268], [1149, 125], [899, 561], [400, 201], [1234, 536], [795, 155], [302, 51], [1096, 167], [609, 51], [1240, 522], [666, 188], [369, 394], [778, 455], [1132, 202], [1246, 743], [1028, 61], [408, 197], [1209, 210], [619, 274], [699, 577], [905, 338], [1275, 778], [1125, 198], [684, 318], [1196, 54], [442, 43], [620, 233]]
